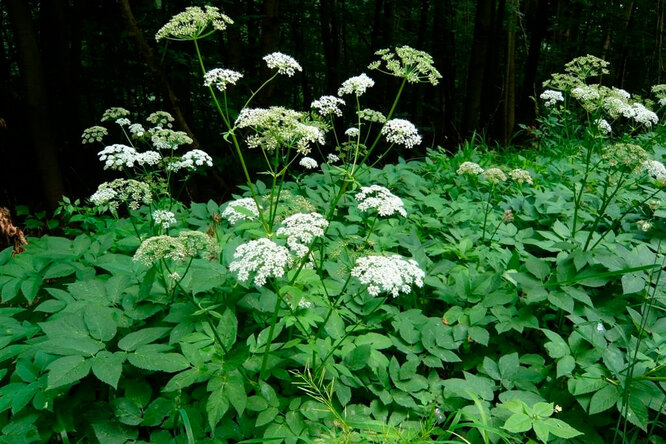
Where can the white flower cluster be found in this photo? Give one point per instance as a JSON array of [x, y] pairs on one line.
[[588, 94], [332, 158], [118, 156], [301, 229], [308, 163], [604, 126], [352, 132], [402, 132], [137, 130], [114, 113], [356, 85], [263, 257], [186, 244], [278, 126], [644, 225], [129, 191], [521, 176], [411, 64], [164, 218], [381, 199], [123, 121], [192, 23], [643, 115], [372, 116], [657, 170], [220, 78], [326, 105], [93, 134], [393, 275], [148, 158], [283, 63], [470, 168], [161, 119], [617, 105], [191, 161], [249, 210], [166, 139], [551, 97], [494, 175]]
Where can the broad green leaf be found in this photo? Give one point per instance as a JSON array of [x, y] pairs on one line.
[[227, 328], [358, 357], [164, 362], [108, 367], [561, 429], [114, 433], [30, 287], [557, 347], [67, 370], [375, 340], [604, 399], [183, 380], [74, 344], [479, 334], [100, 322], [235, 391], [537, 267], [141, 337], [509, 365], [335, 326], [565, 365], [543, 409], [541, 430], [266, 416], [58, 270], [216, 407], [518, 423], [127, 411], [157, 411]]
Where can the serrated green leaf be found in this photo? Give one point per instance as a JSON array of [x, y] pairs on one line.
[[228, 328], [141, 337], [358, 357], [561, 429], [604, 399], [126, 411], [58, 270], [509, 365], [67, 370], [183, 380], [541, 430], [543, 409], [30, 287], [216, 407], [157, 411], [100, 322], [266, 416], [537, 267], [565, 365], [235, 391], [163, 362], [108, 367]]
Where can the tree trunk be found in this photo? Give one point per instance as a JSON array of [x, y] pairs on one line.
[[444, 55], [538, 26], [510, 75], [477, 65], [147, 53], [331, 41], [32, 74], [623, 49]]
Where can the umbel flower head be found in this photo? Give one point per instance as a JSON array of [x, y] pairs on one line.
[[551, 97], [193, 24], [114, 113], [93, 134], [301, 229], [393, 275], [118, 156], [587, 66], [283, 63], [470, 168], [277, 127], [308, 163], [402, 132], [372, 116], [164, 218], [521, 176], [411, 64], [241, 210], [263, 257], [657, 170], [494, 175], [161, 119], [356, 85], [220, 78], [327, 105], [188, 244], [128, 191], [191, 161], [624, 156], [381, 199]]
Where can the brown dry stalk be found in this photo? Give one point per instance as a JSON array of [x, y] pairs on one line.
[[11, 231]]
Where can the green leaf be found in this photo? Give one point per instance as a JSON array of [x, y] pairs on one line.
[[145, 336], [508, 366], [235, 391], [30, 287], [335, 326], [127, 411], [542, 409], [633, 283], [375, 340], [604, 399], [479, 334], [541, 430], [537, 267], [358, 357], [100, 322], [183, 380], [561, 429], [266, 416], [67, 370], [58, 270], [157, 411], [114, 433], [556, 348], [565, 365], [108, 367], [164, 362], [518, 423], [216, 407], [228, 328]]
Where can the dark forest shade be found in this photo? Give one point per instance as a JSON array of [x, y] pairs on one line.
[[64, 62]]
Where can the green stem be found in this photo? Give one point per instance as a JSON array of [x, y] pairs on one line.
[[271, 331], [604, 205]]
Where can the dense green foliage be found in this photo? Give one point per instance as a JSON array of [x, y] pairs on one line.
[[482, 297]]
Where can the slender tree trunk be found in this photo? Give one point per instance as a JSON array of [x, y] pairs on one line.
[[331, 41], [493, 85], [477, 65], [32, 74], [538, 26], [510, 75], [444, 55], [147, 53], [623, 49]]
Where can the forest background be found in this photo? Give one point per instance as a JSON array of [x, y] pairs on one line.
[[63, 62]]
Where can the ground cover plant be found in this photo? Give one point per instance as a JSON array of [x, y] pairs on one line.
[[482, 297]]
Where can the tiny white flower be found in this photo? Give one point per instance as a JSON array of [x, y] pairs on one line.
[[353, 132], [600, 327], [220, 78], [470, 168], [118, 156], [263, 257], [123, 121], [164, 218], [644, 225], [393, 275], [301, 229], [551, 97], [283, 63], [332, 158], [381, 199], [308, 163], [326, 105], [356, 85], [402, 132], [232, 214], [137, 130], [604, 126]]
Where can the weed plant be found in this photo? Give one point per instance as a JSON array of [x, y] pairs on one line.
[[479, 298]]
